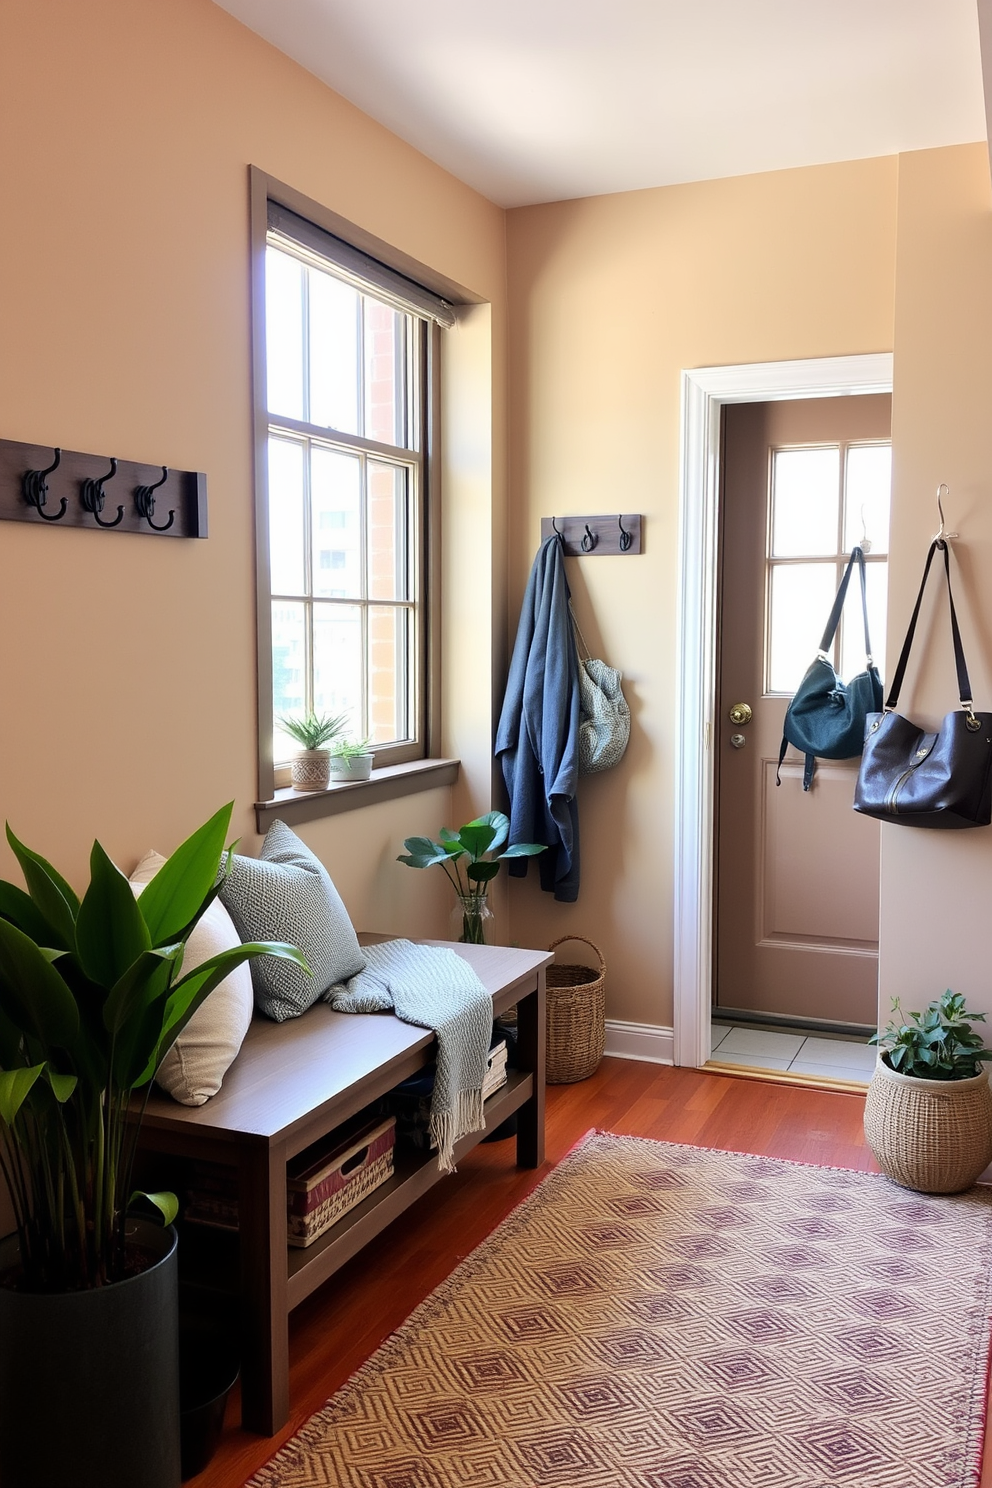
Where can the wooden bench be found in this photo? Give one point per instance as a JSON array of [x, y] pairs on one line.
[[293, 1083]]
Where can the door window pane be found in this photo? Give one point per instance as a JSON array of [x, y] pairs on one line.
[[338, 655], [388, 525], [800, 600], [852, 650], [805, 496], [284, 333], [289, 671], [335, 498], [389, 663], [869, 488], [286, 547], [334, 318]]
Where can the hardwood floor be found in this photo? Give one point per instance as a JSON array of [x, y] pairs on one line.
[[340, 1325]]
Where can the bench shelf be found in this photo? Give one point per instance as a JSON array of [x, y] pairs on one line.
[[294, 1083]]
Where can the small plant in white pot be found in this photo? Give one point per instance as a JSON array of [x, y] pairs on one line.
[[314, 732], [928, 1115], [351, 759]]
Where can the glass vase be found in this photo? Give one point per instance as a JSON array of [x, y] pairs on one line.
[[472, 920]]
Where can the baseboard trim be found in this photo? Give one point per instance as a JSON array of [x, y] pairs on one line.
[[645, 1041]]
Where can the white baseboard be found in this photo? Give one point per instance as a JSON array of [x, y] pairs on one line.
[[647, 1041]]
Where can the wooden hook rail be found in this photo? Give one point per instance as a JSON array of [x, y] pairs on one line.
[[596, 537], [46, 484]]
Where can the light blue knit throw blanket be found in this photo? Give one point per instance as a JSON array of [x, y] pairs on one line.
[[433, 988]]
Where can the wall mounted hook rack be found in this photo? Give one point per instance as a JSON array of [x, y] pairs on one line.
[[24, 491], [599, 537]]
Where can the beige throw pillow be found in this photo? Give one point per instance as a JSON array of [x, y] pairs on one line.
[[195, 1066]]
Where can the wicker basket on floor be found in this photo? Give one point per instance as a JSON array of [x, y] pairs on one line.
[[576, 1017]]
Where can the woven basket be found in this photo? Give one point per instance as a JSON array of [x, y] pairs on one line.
[[576, 1017], [934, 1136]]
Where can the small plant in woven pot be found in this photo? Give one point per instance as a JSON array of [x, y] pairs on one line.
[[314, 732], [928, 1115]]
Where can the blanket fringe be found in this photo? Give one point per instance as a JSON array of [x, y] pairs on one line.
[[448, 1127]]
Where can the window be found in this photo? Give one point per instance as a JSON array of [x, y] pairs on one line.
[[344, 409], [823, 499]]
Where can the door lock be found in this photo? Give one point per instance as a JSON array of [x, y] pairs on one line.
[[737, 741], [740, 714]]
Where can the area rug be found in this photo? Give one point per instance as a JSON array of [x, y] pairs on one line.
[[662, 1316]]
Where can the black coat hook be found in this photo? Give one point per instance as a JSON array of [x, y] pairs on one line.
[[626, 538], [589, 540], [144, 500], [92, 497], [35, 489], [558, 533]]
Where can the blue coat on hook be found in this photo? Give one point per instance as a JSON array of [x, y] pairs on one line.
[[538, 735]]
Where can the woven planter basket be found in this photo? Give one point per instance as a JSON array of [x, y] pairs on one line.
[[931, 1135], [576, 1017]]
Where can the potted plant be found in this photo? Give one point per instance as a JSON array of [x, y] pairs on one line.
[[314, 732], [928, 1114], [475, 845], [92, 996], [351, 759]]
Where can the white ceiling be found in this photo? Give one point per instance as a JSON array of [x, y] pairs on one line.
[[539, 100]]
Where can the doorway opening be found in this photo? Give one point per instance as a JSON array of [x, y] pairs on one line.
[[707, 392]]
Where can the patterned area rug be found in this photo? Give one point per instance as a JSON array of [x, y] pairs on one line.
[[661, 1316]]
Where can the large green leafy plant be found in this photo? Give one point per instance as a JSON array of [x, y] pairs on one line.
[[92, 997], [473, 847], [937, 1044]]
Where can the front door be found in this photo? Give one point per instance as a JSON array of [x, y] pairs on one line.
[[797, 871]]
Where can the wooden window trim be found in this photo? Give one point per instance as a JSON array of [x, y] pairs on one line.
[[406, 767]]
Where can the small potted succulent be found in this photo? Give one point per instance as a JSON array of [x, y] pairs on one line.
[[475, 845], [351, 759], [314, 732], [928, 1115]]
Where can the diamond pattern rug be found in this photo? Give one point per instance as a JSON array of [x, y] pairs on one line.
[[662, 1316]]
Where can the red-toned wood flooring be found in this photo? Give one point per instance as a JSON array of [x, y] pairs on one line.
[[345, 1321]]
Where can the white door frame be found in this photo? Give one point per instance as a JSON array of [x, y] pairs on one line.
[[704, 392]]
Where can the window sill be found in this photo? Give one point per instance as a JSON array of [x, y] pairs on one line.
[[386, 784]]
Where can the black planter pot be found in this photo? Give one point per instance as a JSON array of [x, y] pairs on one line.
[[89, 1381]]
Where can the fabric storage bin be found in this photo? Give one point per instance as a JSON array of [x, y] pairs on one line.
[[321, 1188]]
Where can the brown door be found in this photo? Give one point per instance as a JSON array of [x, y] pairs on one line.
[[797, 872]]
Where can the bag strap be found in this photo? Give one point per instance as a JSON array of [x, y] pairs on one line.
[[964, 685], [580, 640], [857, 557]]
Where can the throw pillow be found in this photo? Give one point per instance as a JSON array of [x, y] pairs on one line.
[[287, 894], [195, 1066]]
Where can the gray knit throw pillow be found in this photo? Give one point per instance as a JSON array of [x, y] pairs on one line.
[[287, 894]]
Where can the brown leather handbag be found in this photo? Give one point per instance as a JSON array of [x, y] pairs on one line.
[[921, 779]]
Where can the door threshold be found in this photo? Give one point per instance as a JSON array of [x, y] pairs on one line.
[[784, 1077], [826, 1026]]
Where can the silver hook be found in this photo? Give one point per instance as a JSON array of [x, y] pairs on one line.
[[942, 534], [865, 544]]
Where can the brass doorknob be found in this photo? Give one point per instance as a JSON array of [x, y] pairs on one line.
[[741, 713]]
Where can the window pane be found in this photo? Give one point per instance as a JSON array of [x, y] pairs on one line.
[[805, 490], [334, 311], [388, 540], [286, 559], [389, 662], [284, 333], [801, 596], [385, 383], [869, 488], [335, 500], [852, 650], [337, 663], [288, 672]]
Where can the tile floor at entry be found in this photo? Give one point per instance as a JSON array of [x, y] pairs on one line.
[[764, 1048]]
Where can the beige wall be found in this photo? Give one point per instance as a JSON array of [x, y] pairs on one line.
[[610, 299], [936, 886], [126, 131]]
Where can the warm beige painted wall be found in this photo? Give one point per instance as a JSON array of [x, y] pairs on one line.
[[610, 298], [126, 130], [937, 886]]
